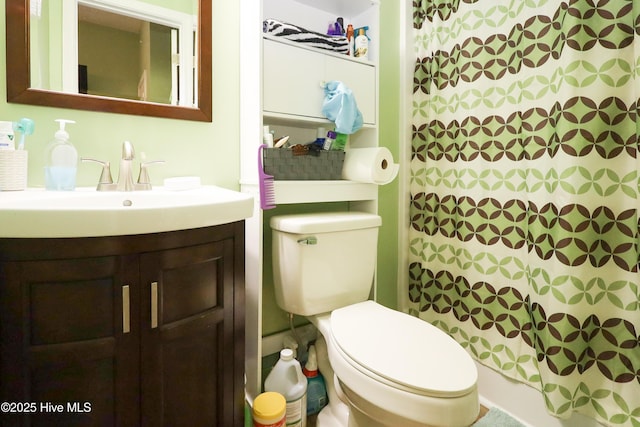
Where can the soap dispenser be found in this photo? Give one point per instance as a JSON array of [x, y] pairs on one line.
[[61, 161]]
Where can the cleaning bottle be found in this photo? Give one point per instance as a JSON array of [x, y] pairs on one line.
[[287, 378], [61, 161], [361, 49], [316, 388]]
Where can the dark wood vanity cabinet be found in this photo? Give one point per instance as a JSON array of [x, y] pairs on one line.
[[144, 330]]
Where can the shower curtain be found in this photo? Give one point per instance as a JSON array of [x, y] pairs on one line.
[[524, 228]]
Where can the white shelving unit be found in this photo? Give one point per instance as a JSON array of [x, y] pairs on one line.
[[281, 86]]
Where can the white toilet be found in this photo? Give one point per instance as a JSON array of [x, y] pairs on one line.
[[393, 369]]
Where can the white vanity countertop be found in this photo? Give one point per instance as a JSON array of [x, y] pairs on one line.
[[36, 213]]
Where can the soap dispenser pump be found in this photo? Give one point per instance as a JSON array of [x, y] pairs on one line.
[[61, 161]]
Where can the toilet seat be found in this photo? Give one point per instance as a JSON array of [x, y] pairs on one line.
[[402, 351]]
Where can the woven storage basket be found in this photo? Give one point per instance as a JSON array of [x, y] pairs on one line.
[[13, 170], [283, 165]]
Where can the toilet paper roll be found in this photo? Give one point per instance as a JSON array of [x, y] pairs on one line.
[[370, 165]]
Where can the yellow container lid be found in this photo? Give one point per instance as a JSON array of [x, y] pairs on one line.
[[269, 406]]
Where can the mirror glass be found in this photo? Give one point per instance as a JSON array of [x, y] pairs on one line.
[[149, 57]]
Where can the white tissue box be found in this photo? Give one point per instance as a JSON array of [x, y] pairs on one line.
[[13, 170]]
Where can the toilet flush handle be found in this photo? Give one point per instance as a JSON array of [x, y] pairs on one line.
[[311, 240]]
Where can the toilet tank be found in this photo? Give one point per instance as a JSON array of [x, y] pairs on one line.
[[323, 261]]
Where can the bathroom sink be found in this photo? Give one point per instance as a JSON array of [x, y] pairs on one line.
[[36, 213]]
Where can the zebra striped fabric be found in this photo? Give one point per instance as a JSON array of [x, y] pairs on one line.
[[338, 44]]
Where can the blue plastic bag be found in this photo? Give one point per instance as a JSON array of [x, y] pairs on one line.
[[340, 107]]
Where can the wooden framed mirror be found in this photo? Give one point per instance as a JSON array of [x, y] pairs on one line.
[[19, 72]]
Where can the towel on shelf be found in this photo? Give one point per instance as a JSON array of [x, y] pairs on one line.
[[340, 107], [338, 44]]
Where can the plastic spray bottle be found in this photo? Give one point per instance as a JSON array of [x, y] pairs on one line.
[[287, 378], [316, 388], [61, 161]]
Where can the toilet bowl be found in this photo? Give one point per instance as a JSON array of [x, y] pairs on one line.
[[393, 369], [397, 370]]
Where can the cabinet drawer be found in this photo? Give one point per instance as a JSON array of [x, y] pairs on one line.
[[293, 78]]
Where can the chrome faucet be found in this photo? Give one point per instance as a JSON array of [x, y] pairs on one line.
[[125, 174]]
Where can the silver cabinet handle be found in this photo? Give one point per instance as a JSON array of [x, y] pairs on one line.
[[154, 305], [126, 310]]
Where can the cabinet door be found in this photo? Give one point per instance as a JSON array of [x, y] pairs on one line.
[[360, 78], [65, 341], [188, 336], [292, 80]]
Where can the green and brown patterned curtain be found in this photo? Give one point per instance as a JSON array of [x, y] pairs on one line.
[[524, 239]]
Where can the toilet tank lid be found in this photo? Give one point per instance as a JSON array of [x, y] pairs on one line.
[[324, 222]]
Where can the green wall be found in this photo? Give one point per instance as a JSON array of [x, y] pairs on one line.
[[210, 150], [390, 138]]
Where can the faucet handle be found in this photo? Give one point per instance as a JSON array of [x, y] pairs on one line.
[[106, 182], [144, 183]]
